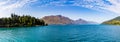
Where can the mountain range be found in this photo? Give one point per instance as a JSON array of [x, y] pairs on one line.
[[59, 19]]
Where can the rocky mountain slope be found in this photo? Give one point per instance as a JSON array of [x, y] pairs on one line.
[[58, 19]]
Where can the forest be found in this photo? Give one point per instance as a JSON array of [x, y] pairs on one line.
[[20, 21]]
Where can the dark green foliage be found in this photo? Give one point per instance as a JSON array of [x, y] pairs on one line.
[[16, 21]]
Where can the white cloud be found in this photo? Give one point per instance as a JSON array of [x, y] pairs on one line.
[[19, 3], [6, 6], [115, 7], [99, 5]]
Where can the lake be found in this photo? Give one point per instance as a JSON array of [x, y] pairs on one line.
[[61, 33]]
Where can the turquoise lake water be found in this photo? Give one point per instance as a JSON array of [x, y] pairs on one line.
[[61, 33]]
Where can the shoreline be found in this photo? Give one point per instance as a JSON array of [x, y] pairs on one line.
[[5, 26]]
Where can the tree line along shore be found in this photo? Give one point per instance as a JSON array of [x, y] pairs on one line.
[[21, 21]]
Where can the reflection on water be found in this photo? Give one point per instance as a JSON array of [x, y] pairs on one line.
[[61, 33]]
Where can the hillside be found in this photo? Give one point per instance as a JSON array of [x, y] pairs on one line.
[[115, 21]]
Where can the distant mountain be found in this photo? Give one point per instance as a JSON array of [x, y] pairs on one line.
[[91, 22], [115, 21], [80, 21], [58, 19]]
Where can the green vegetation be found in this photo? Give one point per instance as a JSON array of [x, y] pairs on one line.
[[17, 21], [115, 21]]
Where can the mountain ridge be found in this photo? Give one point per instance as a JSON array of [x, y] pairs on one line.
[[59, 19]]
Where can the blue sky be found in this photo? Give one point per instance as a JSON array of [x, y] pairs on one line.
[[90, 10]]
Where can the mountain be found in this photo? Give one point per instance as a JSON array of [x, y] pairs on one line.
[[59, 19], [80, 21], [115, 21], [91, 22]]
